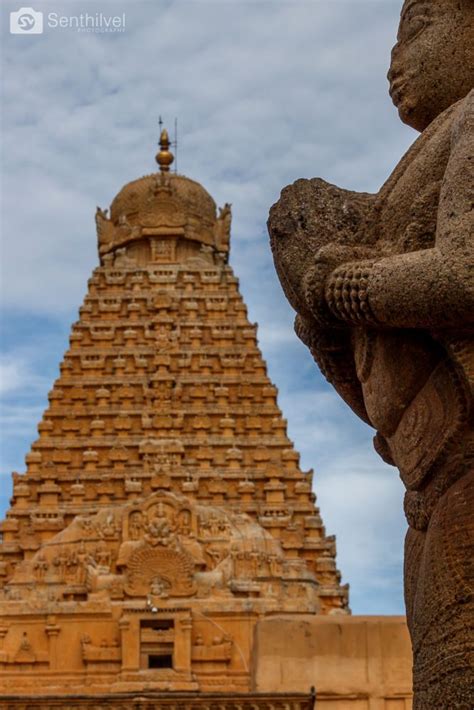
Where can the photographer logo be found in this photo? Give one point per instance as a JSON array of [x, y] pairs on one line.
[[26, 21]]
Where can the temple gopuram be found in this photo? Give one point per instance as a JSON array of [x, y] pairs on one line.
[[163, 548]]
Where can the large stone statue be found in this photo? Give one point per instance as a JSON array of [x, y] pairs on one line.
[[384, 290]]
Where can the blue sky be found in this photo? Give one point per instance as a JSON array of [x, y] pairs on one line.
[[265, 92]]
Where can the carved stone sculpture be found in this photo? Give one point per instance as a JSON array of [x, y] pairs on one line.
[[384, 290]]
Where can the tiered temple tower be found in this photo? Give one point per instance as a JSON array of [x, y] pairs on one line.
[[163, 510]]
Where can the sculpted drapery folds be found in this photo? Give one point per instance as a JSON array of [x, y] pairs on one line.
[[383, 286]]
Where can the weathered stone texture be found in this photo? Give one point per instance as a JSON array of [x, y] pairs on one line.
[[356, 663], [384, 289]]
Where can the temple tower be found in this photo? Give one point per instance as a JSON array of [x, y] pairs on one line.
[[163, 510]]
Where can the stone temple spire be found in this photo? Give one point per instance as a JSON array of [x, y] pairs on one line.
[[163, 510]]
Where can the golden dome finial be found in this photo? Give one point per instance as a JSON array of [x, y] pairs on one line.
[[164, 157]]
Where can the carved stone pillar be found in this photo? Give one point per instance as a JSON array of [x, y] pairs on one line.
[[52, 631], [182, 650], [130, 644]]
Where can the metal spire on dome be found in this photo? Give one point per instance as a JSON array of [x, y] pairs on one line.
[[164, 157]]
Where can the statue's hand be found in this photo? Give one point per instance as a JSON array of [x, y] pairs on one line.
[[333, 255], [327, 260]]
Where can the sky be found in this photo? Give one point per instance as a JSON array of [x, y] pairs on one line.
[[266, 92]]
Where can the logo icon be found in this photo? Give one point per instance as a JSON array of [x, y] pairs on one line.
[[26, 21]]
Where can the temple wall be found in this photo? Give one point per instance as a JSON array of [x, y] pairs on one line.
[[354, 662]]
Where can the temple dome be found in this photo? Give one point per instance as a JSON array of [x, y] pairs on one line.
[[136, 198], [163, 217]]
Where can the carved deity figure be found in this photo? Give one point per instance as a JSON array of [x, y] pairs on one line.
[[135, 525], [160, 530], [160, 587], [384, 290]]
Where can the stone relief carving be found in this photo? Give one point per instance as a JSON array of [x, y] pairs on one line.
[[218, 651], [162, 570], [25, 653], [104, 652], [162, 547]]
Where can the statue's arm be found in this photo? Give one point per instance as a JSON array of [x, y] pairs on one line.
[[331, 348], [431, 288]]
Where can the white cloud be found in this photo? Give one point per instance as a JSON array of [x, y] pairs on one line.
[[16, 375], [10, 375], [17, 420]]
